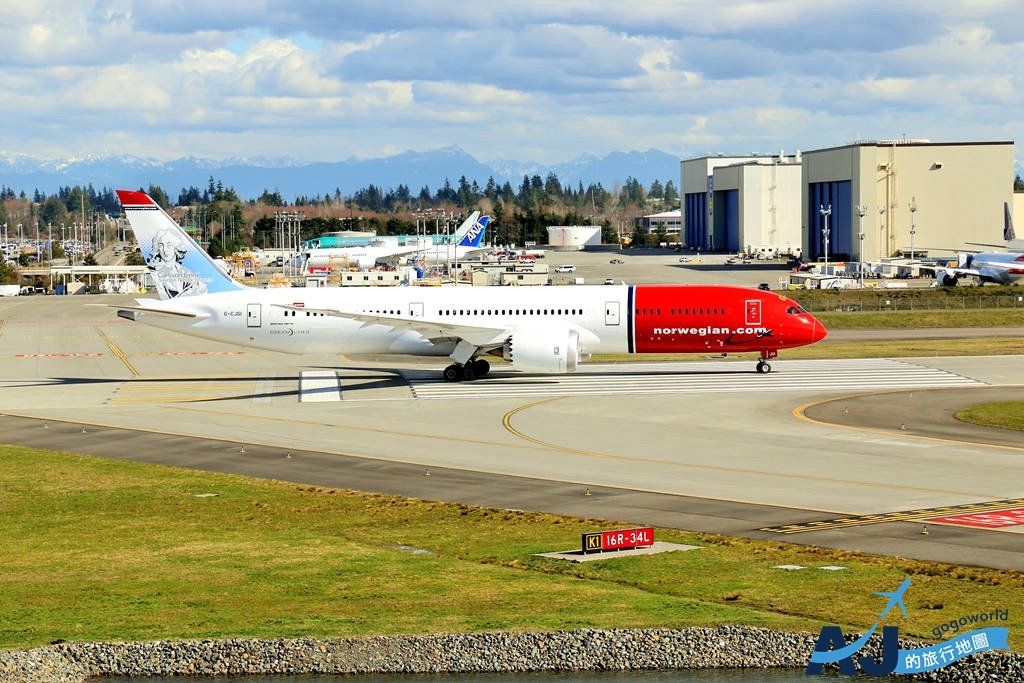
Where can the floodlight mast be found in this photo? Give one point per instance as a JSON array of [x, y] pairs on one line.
[[913, 224], [861, 210], [826, 212]]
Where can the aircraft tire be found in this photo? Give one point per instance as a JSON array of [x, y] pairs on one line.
[[480, 367], [453, 373], [763, 367]]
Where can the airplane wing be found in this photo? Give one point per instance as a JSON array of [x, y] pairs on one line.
[[479, 336], [987, 272]]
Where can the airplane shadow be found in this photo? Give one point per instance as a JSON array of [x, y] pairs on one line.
[[357, 380], [351, 381]]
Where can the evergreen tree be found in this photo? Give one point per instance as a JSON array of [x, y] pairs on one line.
[[671, 195], [53, 212]]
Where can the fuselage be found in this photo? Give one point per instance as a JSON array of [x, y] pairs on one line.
[[611, 319], [1002, 268]]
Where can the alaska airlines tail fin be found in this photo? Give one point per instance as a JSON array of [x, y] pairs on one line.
[[475, 237], [177, 263], [1013, 242]]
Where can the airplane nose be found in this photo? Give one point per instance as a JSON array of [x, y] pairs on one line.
[[818, 331]]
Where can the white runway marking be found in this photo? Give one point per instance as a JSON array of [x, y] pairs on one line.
[[319, 386], [691, 377]]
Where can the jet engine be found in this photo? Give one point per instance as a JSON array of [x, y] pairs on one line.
[[549, 350], [946, 277]]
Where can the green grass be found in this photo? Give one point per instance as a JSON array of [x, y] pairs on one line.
[[98, 549], [1006, 415]]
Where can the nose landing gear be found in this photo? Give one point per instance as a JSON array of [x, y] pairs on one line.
[[762, 365]]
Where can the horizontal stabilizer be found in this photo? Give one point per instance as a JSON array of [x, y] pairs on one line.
[[128, 312]]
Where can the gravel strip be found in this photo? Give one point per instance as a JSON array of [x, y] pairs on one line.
[[726, 647]]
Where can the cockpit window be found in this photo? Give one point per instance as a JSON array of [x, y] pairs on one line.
[[795, 310]]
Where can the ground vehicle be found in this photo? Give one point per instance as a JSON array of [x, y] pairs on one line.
[[609, 281], [616, 261], [566, 268], [764, 287]]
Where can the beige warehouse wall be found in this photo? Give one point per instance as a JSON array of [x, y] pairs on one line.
[[958, 190]]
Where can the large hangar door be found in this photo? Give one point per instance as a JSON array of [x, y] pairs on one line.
[[731, 206], [839, 196]]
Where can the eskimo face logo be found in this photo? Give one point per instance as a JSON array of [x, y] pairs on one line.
[[832, 648], [172, 278]]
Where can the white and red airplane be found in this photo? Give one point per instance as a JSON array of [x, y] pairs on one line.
[[1001, 268], [536, 329]]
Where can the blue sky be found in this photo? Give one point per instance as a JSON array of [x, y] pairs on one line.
[[532, 81]]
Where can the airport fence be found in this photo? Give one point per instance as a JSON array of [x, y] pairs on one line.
[[826, 301]]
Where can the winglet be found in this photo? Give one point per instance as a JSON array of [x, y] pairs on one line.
[[179, 266]]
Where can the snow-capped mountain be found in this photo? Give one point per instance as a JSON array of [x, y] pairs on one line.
[[251, 177]]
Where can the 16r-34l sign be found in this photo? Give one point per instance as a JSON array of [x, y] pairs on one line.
[[620, 539]]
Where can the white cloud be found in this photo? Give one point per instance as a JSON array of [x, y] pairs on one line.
[[329, 81]]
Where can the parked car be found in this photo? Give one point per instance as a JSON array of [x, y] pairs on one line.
[[616, 261], [566, 268]]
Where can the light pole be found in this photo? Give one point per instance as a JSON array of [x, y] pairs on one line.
[[913, 224], [826, 212], [881, 231], [861, 210]]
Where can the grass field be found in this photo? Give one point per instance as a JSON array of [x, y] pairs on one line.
[[98, 549], [1005, 415]]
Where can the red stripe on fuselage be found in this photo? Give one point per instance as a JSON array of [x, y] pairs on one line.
[[694, 319]]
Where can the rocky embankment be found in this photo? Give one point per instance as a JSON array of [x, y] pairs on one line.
[[727, 647]]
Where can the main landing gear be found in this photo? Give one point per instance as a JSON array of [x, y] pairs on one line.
[[475, 368], [763, 366]]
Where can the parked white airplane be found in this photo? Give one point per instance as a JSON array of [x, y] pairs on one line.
[[472, 243], [469, 234], [536, 329], [999, 267]]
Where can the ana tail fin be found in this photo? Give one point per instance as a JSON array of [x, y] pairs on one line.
[[475, 237], [177, 263], [466, 226]]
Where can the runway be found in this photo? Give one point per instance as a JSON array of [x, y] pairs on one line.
[[706, 445]]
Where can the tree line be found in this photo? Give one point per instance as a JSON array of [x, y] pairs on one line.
[[519, 214]]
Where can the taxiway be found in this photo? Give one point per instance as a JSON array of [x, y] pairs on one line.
[[854, 454]]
